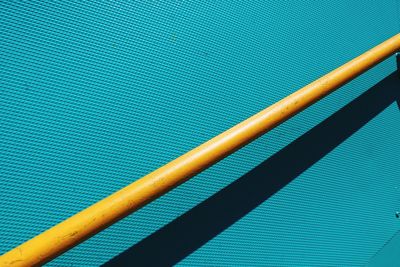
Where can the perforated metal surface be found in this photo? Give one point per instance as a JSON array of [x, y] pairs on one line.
[[95, 95]]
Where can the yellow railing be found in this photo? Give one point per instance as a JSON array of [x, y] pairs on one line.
[[102, 214]]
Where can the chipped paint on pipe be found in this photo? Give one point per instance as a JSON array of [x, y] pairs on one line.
[[95, 218]]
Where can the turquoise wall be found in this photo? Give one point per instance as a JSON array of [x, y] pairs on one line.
[[95, 95]]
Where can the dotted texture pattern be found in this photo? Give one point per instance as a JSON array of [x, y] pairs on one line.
[[95, 95]]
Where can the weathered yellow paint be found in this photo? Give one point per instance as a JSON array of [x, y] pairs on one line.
[[95, 218]]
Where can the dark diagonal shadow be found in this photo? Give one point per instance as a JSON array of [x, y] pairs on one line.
[[190, 231]]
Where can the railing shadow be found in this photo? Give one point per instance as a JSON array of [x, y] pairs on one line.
[[188, 232]]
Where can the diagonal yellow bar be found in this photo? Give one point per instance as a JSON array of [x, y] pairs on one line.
[[95, 218]]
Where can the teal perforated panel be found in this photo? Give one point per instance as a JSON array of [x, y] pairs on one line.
[[95, 95], [389, 254]]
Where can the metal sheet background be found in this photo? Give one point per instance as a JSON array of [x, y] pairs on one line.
[[95, 95]]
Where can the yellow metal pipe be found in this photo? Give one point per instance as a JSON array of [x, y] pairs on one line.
[[95, 218]]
